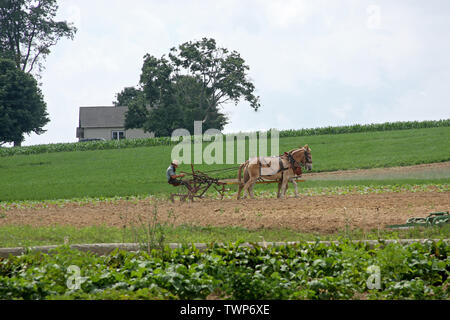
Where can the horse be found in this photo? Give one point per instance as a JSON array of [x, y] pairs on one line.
[[298, 173], [282, 168]]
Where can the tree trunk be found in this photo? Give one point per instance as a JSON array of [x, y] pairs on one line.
[[17, 143]]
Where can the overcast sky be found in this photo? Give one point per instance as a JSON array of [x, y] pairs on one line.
[[314, 63]]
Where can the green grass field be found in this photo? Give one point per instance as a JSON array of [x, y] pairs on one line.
[[24, 236], [139, 171]]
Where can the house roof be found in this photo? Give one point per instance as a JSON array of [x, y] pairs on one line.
[[102, 117]]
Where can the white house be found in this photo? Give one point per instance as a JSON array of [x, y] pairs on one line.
[[106, 123]]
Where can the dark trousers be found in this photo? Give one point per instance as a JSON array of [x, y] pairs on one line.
[[178, 182]]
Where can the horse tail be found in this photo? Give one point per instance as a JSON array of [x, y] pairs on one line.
[[240, 171]]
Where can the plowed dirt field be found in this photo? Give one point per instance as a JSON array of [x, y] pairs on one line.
[[321, 214]]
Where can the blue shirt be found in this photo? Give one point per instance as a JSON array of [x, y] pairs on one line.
[[170, 172]]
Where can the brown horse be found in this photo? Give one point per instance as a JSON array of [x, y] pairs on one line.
[[283, 168]]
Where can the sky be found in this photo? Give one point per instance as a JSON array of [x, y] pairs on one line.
[[314, 63]]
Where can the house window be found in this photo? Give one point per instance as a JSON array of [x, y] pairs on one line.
[[118, 135]]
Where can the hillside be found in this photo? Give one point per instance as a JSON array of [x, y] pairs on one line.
[[141, 170]]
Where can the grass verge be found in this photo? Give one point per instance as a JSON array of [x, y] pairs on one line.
[[26, 236]]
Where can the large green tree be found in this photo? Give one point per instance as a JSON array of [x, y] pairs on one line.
[[221, 72], [28, 30], [22, 106], [191, 84]]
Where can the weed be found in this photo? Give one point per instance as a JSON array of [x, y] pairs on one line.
[[148, 231]]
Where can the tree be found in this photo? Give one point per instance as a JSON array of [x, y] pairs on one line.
[[192, 101], [193, 83], [127, 96], [22, 106], [167, 101], [28, 31], [222, 72], [152, 107], [178, 109]]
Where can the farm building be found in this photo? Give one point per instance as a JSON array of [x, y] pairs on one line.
[[106, 123]]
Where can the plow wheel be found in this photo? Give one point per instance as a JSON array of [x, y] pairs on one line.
[[189, 194]]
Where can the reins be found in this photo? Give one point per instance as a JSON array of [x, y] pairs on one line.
[[290, 159], [210, 171]]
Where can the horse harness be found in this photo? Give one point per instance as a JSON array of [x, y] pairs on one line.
[[293, 165]]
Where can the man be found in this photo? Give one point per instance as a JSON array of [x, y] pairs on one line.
[[172, 176]]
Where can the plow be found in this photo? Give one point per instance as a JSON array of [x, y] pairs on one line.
[[200, 182]]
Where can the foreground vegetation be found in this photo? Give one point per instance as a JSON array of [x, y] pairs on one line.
[[139, 171], [302, 271], [28, 236]]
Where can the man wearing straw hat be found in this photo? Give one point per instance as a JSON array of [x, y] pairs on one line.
[[172, 176]]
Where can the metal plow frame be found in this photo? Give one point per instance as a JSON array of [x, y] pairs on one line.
[[199, 185]]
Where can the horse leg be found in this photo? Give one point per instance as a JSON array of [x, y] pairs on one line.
[[279, 188], [250, 189], [284, 187], [244, 190], [296, 188], [241, 185], [247, 185]]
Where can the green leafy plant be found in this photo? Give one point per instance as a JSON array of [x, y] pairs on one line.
[[233, 271]]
